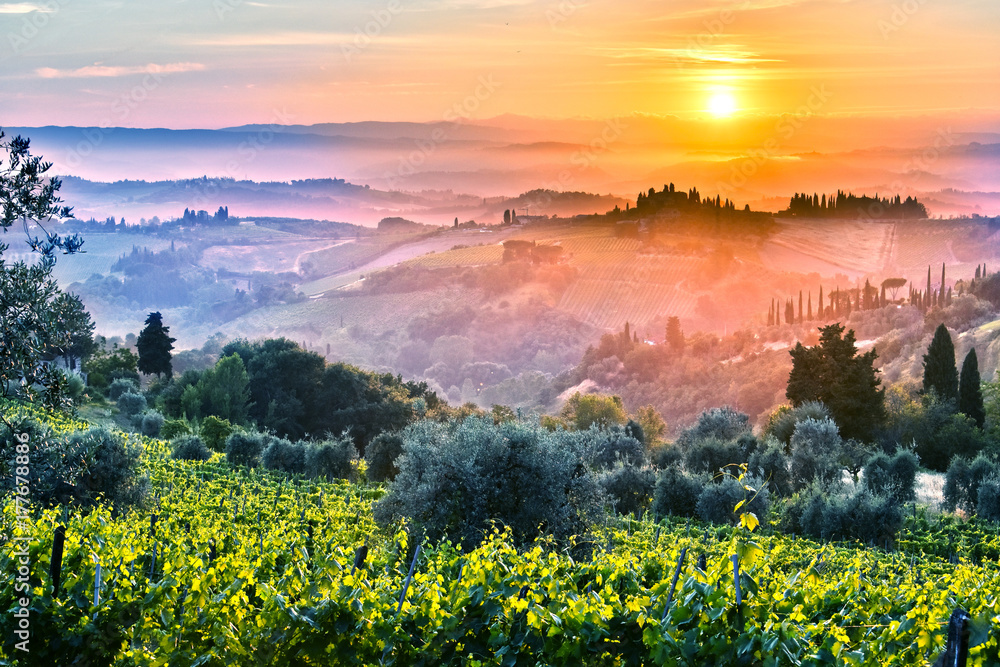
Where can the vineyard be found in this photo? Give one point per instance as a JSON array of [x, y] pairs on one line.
[[238, 567]]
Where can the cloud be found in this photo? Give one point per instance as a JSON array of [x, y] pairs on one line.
[[95, 71], [24, 8]]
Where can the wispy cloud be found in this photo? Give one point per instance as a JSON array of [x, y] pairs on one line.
[[93, 71], [24, 8], [717, 55]]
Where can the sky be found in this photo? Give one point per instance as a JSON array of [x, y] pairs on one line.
[[221, 63]]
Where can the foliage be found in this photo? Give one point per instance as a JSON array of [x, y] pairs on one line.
[[722, 423], [331, 459], [970, 393], [456, 479], [988, 506], [954, 435], [173, 428], [893, 477], [381, 455], [710, 455], [131, 403], [286, 456], [847, 383], [214, 432], [582, 411], [783, 424], [963, 479], [770, 463], [150, 423], [190, 448], [816, 446], [225, 390], [105, 367], [862, 516], [653, 426], [629, 487], [726, 501], [677, 493], [121, 386], [617, 444], [243, 448], [154, 345]]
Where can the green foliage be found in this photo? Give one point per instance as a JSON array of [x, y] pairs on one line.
[[892, 477], [717, 503], [121, 386], [970, 393], [173, 428], [190, 448], [105, 367], [847, 383], [154, 345], [331, 459], [582, 411], [770, 463], [988, 506], [710, 455], [214, 432], [286, 456], [862, 516], [665, 456], [956, 435], [381, 455], [225, 390], [455, 480], [151, 423], [677, 493], [131, 403], [963, 479], [720, 423], [243, 448], [940, 373], [783, 425], [629, 487], [816, 446], [615, 445], [653, 426]]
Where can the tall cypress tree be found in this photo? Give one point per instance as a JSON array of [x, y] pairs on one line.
[[940, 373], [970, 392], [154, 345]]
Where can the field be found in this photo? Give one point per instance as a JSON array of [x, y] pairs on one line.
[[233, 567]]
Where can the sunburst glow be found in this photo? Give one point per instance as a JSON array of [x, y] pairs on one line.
[[722, 104]]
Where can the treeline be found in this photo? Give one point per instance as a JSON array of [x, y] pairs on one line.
[[848, 205]]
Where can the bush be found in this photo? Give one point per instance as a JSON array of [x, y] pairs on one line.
[[190, 448], [771, 465], [783, 425], [815, 453], [866, 517], [457, 479], [151, 423], [711, 455], [381, 455], [958, 436], [893, 477], [665, 456], [962, 482], [214, 432], [75, 385], [285, 456], [988, 505], [131, 404], [331, 459], [677, 493], [122, 386], [244, 448], [720, 423], [629, 487], [112, 471], [717, 502], [616, 445], [174, 427]]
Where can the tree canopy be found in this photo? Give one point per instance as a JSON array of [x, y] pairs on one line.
[[154, 345], [940, 373], [970, 391], [845, 382]]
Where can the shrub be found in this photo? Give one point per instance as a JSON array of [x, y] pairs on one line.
[[665, 456], [893, 477], [629, 487], [720, 423], [122, 386], [717, 502], [214, 432], [988, 504], [244, 448], [958, 435], [151, 423], [457, 479], [285, 456], [190, 448], [331, 459], [616, 445], [783, 425], [711, 455], [962, 482], [131, 404], [815, 453], [174, 427], [677, 493], [863, 516], [112, 469], [75, 385], [381, 455], [771, 465]]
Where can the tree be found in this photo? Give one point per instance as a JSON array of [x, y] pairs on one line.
[[674, 337], [845, 382], [584, 410], [225, 390], [506, 217], [940, 373], [970, 391], [154, 345], [73, 334], [29, 325]]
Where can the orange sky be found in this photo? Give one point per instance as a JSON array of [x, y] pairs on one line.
[[200, 64]]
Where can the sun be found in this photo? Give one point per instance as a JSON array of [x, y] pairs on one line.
[[722, 104]]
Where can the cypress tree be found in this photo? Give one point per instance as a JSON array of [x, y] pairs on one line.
[[820, 304], [941, 298], [881, 298], [809, 311], [800, 307], [940, 373], [154, 345], [927, 294], [970, 392]]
